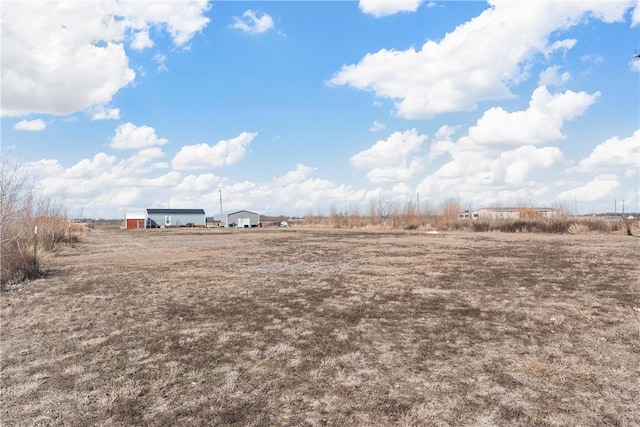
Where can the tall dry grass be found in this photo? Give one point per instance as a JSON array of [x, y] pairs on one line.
[[385, 214], [21, 210]]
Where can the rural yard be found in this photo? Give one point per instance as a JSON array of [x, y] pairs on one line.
[[302, 326]]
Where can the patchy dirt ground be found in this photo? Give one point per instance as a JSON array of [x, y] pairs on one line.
[[326, 327]]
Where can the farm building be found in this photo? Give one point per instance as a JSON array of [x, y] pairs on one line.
[[241, 219], [510, 213], [135, 220], [175, 217]]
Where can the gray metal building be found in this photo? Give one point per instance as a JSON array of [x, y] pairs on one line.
[[240, 219], [175, 217]]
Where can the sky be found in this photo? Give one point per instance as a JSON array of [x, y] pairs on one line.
[[307, 107]]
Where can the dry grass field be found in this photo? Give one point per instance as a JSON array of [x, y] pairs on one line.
[[326, 327]]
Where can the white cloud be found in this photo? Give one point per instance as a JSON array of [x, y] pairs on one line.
[[552, 77], [480, 169], [103, 184], [30, 125], [564, 45], [225, 152], [602, 187], [395, 159], [151, 153], [614, 153], [635, 17], [514, 167], [65, 56], [86, 168], [182, 19], [199, 183], [379, 8], [300, 173], [161, 61], [541, 122], [446, 132], [141, 40], [101, 112], [477, 61], [131, 137], [252, 23], [377, 126]]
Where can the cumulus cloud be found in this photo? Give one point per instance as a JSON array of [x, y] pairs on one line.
[[541, 122], [477, 61], [300, 173], [30, 125], [480, 168], [103, 184], [201, 156], [101, 112], [614, 153], [516, 166], [379, 8], [252, 23], [131, 137], [602, 187], [141, 40], [395, 159], [199, 183], [65, 56], [552, 77]]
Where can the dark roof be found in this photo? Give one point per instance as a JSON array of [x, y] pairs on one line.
[[175, 211]]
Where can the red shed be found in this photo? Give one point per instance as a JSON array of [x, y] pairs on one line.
[[135, 220]]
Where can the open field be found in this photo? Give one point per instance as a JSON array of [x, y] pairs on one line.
[[326, 327]]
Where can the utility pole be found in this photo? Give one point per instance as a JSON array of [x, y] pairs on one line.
[[220, 191]]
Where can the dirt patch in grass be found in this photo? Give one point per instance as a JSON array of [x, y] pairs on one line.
[[326, 327]]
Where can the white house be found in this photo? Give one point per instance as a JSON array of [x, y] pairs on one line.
[[511, 213]]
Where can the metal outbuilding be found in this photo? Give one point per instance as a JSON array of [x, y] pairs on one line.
[[240, 219]]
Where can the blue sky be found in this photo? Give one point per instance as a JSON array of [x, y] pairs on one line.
[[296, 107]]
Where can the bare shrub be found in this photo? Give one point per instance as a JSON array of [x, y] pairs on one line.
[[577, 228], [21, 211], [481, 226]]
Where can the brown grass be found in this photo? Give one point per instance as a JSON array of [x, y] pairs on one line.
[[326, 327], [22, 214]]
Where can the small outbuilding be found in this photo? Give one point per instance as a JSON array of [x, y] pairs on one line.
[[135, 220], [241, 219], [175, 218]]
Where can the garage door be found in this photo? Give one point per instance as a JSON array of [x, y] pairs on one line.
[[244, 222]]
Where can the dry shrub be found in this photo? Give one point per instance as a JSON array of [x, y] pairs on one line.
[[577, 228], [481, 226], [384, 213], [21, 212], [558, 225]]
